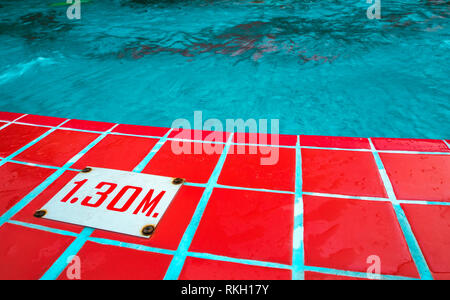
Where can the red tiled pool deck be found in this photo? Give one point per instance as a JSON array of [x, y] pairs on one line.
[[322, 211]]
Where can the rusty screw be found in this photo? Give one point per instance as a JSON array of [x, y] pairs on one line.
[[148, 230], [178, 181], [40, 213], [86, 170]]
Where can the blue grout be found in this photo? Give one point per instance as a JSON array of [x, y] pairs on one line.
[[250, 262], [140, 167], [139, 247], [445, 142], [413, 245], [252, 189], [73, 249], [30, 144], [43, 228], [354, 274], [214, 142], [109, 242], [61, 263], [298, 255], [177, 263], [28, 198]]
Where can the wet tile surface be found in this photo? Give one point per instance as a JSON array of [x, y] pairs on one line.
[[259, 167], [27, 253], [322, 276], [343, 233], [419, 176], [42, 120], [410, 145], [117, 152], [88, 125], [250, 224], [194, 162], [247, 224], [431, 226], [9, 116], [334, 142], [141, 130], [26, 214], [105, 262], [57, 148], [199, 135], [15, 136], [206, 269], [265, 139], [16, 181], [341, 172]]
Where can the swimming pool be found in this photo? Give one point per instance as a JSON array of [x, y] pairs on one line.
[[321, 68]]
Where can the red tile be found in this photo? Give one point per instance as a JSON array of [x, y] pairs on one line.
[[2, 123], [343, 233], [321, 276], [9, 116], [205, 269], [419, 177], [141, 130], [247, 224], [269, 168], [15, 136], [57, 148], [88, 125], [341, 172], [431, 227], [410, 145], [41, 120], [180, 159], [26, 214], [172, 226], [265, 139], [334, 142], [117, 152], [104, 262], [199, 135], [26, 254], [16, 181]]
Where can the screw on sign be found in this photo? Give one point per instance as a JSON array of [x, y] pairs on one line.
[[124, 202]]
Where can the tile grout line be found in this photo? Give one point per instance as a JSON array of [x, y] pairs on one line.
[[141, 166], [176, 265], [445, 142], [61, 263], [249, 262], [214, 257], [298, 254], [30, 144], [12, 122], [412, 244], [353, 274], [247, 144], [317, 194]]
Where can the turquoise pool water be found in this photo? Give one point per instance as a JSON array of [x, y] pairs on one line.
[[321, 67]]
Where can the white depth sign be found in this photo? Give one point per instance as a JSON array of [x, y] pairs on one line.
[[112, 200]]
